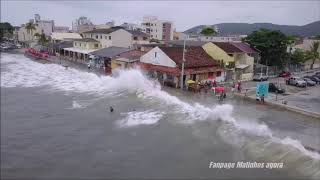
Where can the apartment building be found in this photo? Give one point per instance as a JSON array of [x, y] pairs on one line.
[[158, 29], [117, 36]]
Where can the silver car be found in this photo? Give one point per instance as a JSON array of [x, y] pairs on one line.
[[297, 81], [309, 82], [260, 77]]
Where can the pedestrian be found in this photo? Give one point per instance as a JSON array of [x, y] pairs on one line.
[[239, 86], [224, 95], [89, 65], [262, 99]]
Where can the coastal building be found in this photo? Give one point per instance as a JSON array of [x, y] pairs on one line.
[[61, 29], [80, 50], [165, 63], [58, 36], [82, 24], [117, 36], [46, 26], [132, 26], [158, 29], [105, 26], [102, 57], [126, 60], [238, 58]]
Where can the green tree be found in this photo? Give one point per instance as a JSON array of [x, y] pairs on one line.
[[313, 54], [208, 31], [272, 44], [42, 39], [298, 56], [30, 28], [6, 29]]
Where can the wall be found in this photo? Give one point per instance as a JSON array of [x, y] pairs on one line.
[[217, 53], [121, 38], [86, 45], [161, 58]]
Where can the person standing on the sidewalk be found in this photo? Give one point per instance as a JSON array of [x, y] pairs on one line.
[[89, 65], [239, 86], [262, 99]]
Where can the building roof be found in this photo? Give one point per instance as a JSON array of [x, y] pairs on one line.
[[132, 54], [63, 44], [83, 51], [244, 47], [86, 40], [62, 36], [138, 33], [104, 31], [110, 52], [235, 47], [188, 43], [228, 47], [194, 56]]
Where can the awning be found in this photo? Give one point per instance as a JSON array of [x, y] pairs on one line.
[[242, 66], [83, 51]]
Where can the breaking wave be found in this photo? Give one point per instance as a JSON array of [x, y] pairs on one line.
[[22, 72]]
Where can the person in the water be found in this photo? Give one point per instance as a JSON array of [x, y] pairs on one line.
[[111, 109]]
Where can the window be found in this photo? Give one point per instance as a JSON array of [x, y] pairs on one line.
[[97, 36], [155, 54], [100, 36], [218, 73], [106, 37], [135, 38], [96, 45], [75, 44], [91, 35], [145, 38], [80, 44], [109, 37]]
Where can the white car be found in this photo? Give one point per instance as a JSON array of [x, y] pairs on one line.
[[297, 81], [260, 77]]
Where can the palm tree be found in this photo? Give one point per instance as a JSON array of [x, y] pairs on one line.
[[30, 28], [314, 52]]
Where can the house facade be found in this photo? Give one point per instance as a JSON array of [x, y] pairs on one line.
[[126, 60], [238, 58], [58, 36], [165, 64], [117, 36]]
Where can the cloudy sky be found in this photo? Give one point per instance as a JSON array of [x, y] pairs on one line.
[[185, 14]]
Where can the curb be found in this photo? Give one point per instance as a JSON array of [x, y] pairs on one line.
[[290, 108]]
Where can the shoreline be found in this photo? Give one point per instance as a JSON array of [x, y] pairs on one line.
[[295, 109]]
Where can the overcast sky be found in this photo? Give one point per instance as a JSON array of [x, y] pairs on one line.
[[185, 14]]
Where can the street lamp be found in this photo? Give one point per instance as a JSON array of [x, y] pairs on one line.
[[183, 61]]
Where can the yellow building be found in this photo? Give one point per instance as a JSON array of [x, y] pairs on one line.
[[81, 50], [237, 57]]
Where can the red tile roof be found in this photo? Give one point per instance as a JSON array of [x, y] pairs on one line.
[[194, 56], [228, 47], [244, 47], [235, 47], [132, 54]]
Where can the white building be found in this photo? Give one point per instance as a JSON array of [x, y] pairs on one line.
[[61, 29], [81, 22], [158, 29], [132, 26], [117, 36], [57, 36]]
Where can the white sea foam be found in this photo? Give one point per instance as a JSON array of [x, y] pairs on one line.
[[136, 118], [20, 71]]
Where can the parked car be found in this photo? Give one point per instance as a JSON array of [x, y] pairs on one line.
[[309, 82], [285, 74], [260, 77], [296, 81], [276, 89], [315, 79]]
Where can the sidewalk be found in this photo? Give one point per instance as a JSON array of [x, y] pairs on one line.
[[287, 102]]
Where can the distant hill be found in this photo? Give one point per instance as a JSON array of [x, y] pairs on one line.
[[311, 29]]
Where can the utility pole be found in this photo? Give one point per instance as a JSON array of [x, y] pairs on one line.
[[183, 61]]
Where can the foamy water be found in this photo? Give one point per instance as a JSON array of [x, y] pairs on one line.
[[21, 72]]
